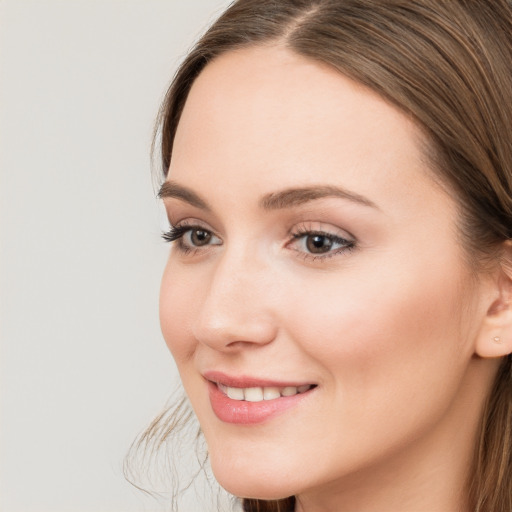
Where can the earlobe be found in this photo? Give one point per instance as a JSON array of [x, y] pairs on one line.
[[495, 336]]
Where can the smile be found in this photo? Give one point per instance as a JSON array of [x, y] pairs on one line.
[[259, 394], [248, 401]]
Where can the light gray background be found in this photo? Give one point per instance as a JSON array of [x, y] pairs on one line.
[[83, 364]]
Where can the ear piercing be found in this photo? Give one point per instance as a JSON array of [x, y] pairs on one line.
[[496, 339]]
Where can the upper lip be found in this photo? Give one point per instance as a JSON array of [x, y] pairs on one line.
[[245, 381]]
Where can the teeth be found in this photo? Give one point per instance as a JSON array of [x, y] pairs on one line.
[[258, 394], [253, 394], [235, 393], [271, 393], [289, 391]]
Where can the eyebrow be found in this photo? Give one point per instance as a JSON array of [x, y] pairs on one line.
[[282, 199], [296, 196], [172, 189]]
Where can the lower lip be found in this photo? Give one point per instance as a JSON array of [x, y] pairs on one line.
[[242, 412]]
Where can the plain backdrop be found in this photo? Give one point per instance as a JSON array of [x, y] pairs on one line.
[[83, 364]]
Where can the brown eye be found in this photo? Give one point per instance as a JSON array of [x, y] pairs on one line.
[[200, 237], [318, 244]]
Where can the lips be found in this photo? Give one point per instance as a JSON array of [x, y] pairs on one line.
[[245, 400]]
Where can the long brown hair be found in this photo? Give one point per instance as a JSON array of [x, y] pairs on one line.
[[447, 64]]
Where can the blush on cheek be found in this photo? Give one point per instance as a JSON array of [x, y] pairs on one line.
[[396, 317]]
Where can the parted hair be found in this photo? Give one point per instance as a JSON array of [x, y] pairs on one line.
[[448, 65]]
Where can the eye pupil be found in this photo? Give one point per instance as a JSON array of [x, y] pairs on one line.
[[318, 243], [200, 237]]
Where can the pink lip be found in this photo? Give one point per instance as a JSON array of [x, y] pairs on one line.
[[248, 382], [242, 412]]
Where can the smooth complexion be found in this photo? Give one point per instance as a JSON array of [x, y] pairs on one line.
[[357, 286]]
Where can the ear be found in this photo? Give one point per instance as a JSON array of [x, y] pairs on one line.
[[495, 336]]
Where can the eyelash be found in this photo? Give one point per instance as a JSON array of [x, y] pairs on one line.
[[304, 233], [176, 234]]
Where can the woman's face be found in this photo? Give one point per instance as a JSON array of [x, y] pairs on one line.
[[315, 253]]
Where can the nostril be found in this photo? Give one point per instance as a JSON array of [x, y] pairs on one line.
[[235, 345]]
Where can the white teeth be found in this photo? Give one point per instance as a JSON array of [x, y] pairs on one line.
[[253, 394], [289, 391], [235, 393], [271, 393], [257, 394]]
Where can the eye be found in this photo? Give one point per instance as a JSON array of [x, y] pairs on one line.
[[320, 244], [191, 237], [198, 237]]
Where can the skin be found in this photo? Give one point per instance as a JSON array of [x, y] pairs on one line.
[[388, 330]]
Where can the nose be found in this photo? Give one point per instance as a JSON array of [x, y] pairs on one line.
[[236, 311]]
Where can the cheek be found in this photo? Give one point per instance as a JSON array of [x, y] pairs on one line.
[[387, 334], [176, 312]]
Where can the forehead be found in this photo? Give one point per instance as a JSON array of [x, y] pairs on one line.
[[272, 118]]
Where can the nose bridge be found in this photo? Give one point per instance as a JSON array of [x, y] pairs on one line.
[[236, 306]]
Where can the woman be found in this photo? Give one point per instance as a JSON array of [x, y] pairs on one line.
[[337, 297]]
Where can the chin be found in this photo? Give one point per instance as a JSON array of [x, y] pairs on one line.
[[251, 481], [255, 490]]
